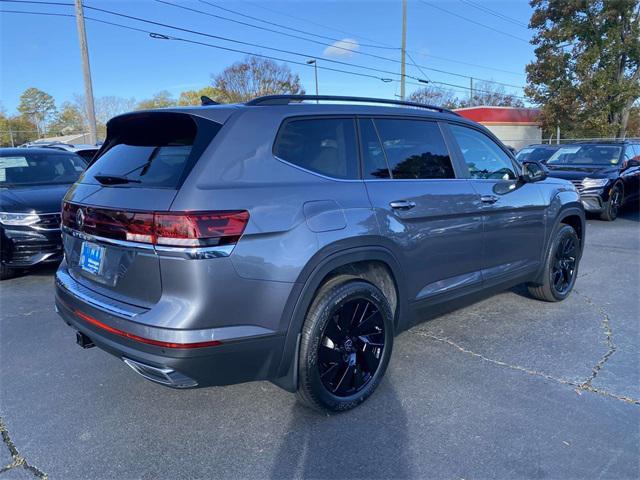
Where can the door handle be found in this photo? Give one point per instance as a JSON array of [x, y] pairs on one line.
[[488, 199], [402, 205]]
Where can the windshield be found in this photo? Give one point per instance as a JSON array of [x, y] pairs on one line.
[[36, 168], [537, 154], [586, 155]]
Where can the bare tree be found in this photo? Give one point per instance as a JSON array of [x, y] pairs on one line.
[[254, 77], [431, 95]]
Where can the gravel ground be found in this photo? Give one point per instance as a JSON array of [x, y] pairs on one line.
[[508, 387]]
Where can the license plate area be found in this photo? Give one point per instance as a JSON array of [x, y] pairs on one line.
[[92, 258]]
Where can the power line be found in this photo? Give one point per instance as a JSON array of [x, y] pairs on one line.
[[446, 59], [495, 13], [272, 10], [286, 27], [241, 42], [420, 67], [473, 21], [246, 24], [161, 36]]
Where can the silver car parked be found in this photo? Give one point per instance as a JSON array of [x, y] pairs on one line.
[[291, 241]]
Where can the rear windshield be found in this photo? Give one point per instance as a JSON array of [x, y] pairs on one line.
[[538, 154], [586, 155], [36, 168], [154, 150]]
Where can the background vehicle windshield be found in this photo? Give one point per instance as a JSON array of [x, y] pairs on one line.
[[36, 168], [586, 155], [537, 154]]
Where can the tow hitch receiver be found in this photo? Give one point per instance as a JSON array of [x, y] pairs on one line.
[[83, 340]]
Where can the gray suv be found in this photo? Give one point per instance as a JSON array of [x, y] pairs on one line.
[[291, 241]]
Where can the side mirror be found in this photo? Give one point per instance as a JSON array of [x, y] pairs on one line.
[[632, 163], [533, 171]]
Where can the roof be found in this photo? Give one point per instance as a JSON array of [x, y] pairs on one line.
[[491, 115], [28, 151]]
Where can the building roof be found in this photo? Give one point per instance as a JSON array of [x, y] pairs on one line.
[[490, 115]]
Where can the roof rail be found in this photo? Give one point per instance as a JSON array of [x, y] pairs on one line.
[[286, 99]]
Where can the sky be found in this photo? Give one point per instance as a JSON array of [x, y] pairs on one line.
[[43, 52]]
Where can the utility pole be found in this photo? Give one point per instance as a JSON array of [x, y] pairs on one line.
[[471, 91], [86, 72], [403, 49]]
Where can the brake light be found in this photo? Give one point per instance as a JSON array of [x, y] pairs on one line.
[[183, 229]]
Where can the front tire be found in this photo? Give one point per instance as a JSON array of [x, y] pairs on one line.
[[346, 344], [613, 206], [6, 272], [561, 266]]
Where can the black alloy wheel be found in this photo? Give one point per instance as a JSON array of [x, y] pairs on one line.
[[564, 265], [351, 347], [615, 202]]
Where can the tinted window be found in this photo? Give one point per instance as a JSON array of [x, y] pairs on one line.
[[414, 149], [538, 154], [31, 168], [153, 150], [375, 163], [484, 158], [323, 145], [587, 155]]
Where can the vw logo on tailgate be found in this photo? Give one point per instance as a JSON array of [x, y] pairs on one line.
[[80, 218]]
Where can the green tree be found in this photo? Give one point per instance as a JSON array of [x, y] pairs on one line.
[[16, 130], [254, 77], [69, 119], [38, 106], [586, 75], [192, 97], [159, 100]]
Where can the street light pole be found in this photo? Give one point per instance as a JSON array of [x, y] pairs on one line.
[[314, 62], [86, 71]]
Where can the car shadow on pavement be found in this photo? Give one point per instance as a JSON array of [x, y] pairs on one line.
[[369, 442]]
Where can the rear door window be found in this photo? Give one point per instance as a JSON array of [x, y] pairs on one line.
[[323, 145], [413, 149], [152, 150]]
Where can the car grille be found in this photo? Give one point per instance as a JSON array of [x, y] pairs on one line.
[[48, 221], [25, 250], [578, 185]]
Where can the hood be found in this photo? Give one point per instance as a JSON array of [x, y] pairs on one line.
[[579, 172], [38, 198]]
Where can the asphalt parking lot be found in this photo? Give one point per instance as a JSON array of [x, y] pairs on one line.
[[508, 387]]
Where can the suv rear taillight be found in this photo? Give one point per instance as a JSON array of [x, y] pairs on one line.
[[177, 229]]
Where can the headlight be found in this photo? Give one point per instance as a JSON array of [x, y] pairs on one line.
[[594, 182], [18, 218]]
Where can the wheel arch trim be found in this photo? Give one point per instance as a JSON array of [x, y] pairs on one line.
[[311, 277]]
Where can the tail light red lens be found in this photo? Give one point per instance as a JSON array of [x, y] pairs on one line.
[[183, 229]]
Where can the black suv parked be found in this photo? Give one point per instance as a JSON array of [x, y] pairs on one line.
[[291, 241], [32, 184], [606, 174]]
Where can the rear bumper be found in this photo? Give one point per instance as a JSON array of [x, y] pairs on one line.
[[25, 247], [234, 360]]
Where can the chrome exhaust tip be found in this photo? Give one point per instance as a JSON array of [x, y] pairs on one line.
[[165, 376]]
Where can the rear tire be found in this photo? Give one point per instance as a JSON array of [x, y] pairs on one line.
[[613, 206], [346, 343], [561, 266]]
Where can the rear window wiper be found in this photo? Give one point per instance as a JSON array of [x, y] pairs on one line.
[[114, 179]]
